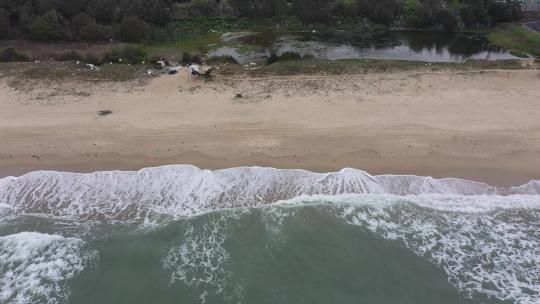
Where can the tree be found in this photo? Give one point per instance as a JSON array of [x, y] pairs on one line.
[[386, 11], [85, 28], [48, 27], [156, 12], [103, 11], [259, 8], [348, 8], [133, 29], [313, 10], [80, 21], [5, 26], [447, 21]]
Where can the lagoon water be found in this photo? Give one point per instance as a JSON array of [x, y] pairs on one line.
[[178, 234], [398, 45]]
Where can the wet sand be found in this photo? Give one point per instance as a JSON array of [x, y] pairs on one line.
[[480, 125]]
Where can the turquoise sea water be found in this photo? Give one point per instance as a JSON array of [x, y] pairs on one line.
[[254, 235]]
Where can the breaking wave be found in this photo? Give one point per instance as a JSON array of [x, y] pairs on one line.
[[487, 239], [180, 191]]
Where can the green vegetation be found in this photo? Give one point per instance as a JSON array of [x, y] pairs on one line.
[[516, 38], [127, 54], [150, 21], [364, 66], [221, 60], [287, 56], [10, 54]]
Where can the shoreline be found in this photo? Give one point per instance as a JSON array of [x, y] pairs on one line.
[[479, 125], [436, 166]]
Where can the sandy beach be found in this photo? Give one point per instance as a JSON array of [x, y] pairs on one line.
[[480, 125]]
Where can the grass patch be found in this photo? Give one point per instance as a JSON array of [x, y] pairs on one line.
[[52, 71], [517, 39], [196, 43], [360, 66], [225, 59]]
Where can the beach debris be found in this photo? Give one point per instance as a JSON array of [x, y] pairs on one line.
[[174, 70], [161, 64], [104, 112], [93, 67], [197, 70], [36, 157], [238, 95]]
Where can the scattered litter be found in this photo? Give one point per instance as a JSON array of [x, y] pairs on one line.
[[238, 95], [92, 67], [173, 70], [162, 63], [197, 70], [104, 112]]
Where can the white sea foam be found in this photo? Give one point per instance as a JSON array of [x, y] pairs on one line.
[[486, 238], [495, 254], [200, 260], [176, 191], [488, 245], [35, 267]]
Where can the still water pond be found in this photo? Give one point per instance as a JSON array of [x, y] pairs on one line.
[[397, 45]]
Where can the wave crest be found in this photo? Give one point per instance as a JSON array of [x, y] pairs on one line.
[[183, 190]]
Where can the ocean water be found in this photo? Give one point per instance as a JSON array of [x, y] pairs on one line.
[[178, 234]]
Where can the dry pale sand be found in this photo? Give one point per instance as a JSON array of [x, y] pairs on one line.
[[482, 125]]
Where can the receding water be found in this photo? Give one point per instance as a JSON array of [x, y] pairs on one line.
[[178, 234], [396, 45]]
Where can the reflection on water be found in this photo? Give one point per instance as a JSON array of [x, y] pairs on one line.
[[398, 45]]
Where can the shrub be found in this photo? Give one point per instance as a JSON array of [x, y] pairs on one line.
[[9, 54], [67, 56], [272, 58], [222, 59], [289, 56], [93, 59], [186, 58], [196, 59], [96, 32], [127, 54]]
